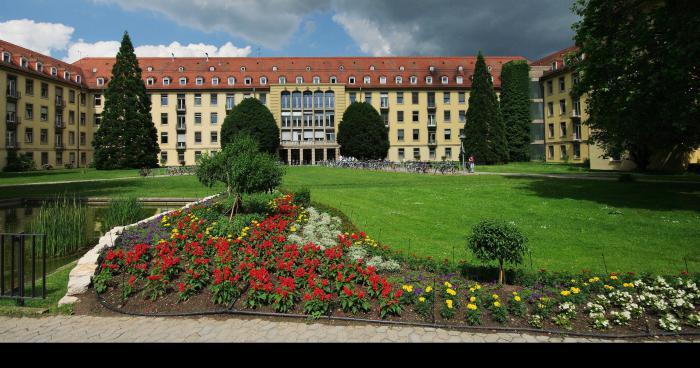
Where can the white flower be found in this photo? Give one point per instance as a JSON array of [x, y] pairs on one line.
[[669, 323]]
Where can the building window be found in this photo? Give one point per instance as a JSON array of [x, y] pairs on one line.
[[282, 80], [399, 116], [448, 153], [367, 79], [98, 119], [198, 137], [551, 130], [29, 111], [197, 155], [448, 134], [44, 114], [414, 98], [83, 118], [550, 87], [563, 153], [462, 116], [214, 137], [300, 80], [198, 118], [550, 152], [183, 81], [459, 79], [415, 116], [562, 129], [199, 81], [29, 87], [263, 81], [71, 96], [29, 135], [100, 81], [164, 100], [416, 134], [316, 80], [351, 80], [399, 98], [577, 150], [446, 98], [368, 97], [550, 108], [44, 136], [71, 117], [401, 154], [398, 79], [382, 80], [163, 137], [429, 80], [44, 90], [164, 118], [231, 81], [229, 101], [447, 116], [198, 99], [416, 153], [163, 157], [562, 84], [353, 97], [247, 81], [562, 107], [214, 118], [215, 81], [413, 79], [150, 81], [98, 99], [83, 139], [166, 81], [399, 135], [6, 57]]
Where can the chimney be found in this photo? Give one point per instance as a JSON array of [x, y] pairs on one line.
[[173, 55], [206, 53]]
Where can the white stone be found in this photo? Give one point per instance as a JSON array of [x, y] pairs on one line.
[[67, 300]]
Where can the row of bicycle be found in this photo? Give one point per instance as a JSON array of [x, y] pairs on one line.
[[441, 167]]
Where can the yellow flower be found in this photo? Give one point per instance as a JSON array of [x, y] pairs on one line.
[[421, 299], [471, 289], [565, 293], [471, 306], [540, 305], [447, 284], [613, 277], [515, 293], [472, 299], [428, 289], [408, 288], [451, 292], [293, 229], [608, 287], [496, 304], [477, 286], [544, 299], [449, 303], [628, 285], [575, 290], [494, 296], [594, 279], [517, 298]]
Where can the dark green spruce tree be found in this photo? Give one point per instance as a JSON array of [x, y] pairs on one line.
[[515, 108], [252, 118], [362, 134], [127, 137], [485, 136]]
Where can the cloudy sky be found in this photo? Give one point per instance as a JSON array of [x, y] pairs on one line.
[[71, 29]]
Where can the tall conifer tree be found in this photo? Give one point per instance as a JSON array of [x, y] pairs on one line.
[[484, 132], [515, 108], [127, 137]]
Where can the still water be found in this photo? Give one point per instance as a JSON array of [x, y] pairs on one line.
[[16, 219]]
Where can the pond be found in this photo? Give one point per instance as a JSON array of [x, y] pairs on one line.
[[16, 219]]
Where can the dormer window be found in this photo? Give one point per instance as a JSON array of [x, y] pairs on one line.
[[334, 80], [460, 79], [460, 68], [150, 81], [308, 68], [382, 80], [367, 79], [247, 81], [181, 69], [274, 68], [183, 81], [428, 80], [445, 79], [150, 68], [39, 67], [401, 68], [78, 79], [6, 57], [414, 79], [166, 81], [231, 81], [24, 62], [54, 71], [490, 67], [341, 68], [432, 69], [371, 67], [282, 80], [242, 68], [199, 81], [215, 81], [300, 80], [66, 75], [211, 69], [263, 81], [398, 79], [100, 81], [351, 80], [317, 80], [554, 65]]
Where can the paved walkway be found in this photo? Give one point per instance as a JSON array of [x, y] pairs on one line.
[[143, 329]]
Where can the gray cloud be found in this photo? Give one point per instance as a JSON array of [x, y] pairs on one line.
[[530, 28]]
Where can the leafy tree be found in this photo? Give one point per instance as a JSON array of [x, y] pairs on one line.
[[640, 74], [484, 132], [127, 137], [515, 108], [251, 117], [18, 163], [362, 133], [242, 168], [495, 240]]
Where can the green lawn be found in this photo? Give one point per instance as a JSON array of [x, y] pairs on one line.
[[44, 176], [570, 223], [56, 287], [163, 187], [534, 168]]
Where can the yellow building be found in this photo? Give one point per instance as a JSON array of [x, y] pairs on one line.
[[45, 110]]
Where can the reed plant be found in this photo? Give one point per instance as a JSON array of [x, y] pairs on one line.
[[64, 221], [123, 211]]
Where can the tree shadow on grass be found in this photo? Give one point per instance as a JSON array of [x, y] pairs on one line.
[[639, 195]]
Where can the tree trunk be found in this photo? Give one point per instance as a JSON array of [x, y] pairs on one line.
[[501, 273], [234, 208]]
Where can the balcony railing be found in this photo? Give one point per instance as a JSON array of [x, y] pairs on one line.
[[181, 106], [432, 141], [12, 144], [575, 114], [13, 93], [59, 146], [431, 104], [432, 123], [12, 118], [60, 102], [181, 145], [384, 104], [60, 124], [181, 127]]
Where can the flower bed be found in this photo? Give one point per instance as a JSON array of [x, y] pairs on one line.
[[183, 263]]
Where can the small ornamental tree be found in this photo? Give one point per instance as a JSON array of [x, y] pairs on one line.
[[515, 107], [362, 134], [242, 168], [251, 117], [495, 240]]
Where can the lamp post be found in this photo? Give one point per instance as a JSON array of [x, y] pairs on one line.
[[462, 153]]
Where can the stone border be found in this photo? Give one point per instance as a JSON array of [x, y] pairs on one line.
[[81, 276]]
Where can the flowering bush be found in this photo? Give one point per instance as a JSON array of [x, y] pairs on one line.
[[516, 306], [473, 314]]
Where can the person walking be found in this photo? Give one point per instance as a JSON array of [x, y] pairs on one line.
[[471, 164]]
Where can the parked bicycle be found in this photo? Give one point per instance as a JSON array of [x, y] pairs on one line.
[[419, 167]]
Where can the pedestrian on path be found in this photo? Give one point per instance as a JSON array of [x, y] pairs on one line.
[[471, 164]]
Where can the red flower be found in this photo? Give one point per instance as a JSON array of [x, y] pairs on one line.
[[132, 280], [347, 291], [181, 287]]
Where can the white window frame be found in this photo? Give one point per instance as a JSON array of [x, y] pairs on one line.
[[414, 79], [199, 81], [181, 69], [54, 71], [231, 81], [282, 80], [299, 80], [398, 79], [382, 80], [459, 79], [150, 81], [211, 69], [39, 67], [182, 81], [263, 81], [215, 81], [247, 81], [24, 62], [166, 81], [100, 81], [428, 80], [316, 80], [78, 79], [366, 79], [445, 79], [352, 80], [6, 57], [333, 79], [66, 75]]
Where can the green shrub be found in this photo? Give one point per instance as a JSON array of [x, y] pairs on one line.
[[123, 211], [257, 202], [495, 240], [303, 197], [18, 163], [223, 227]]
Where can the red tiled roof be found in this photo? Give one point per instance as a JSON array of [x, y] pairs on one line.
[[557, 56], [292, 67], [18, 52]]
